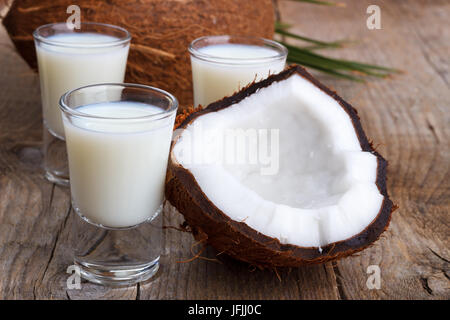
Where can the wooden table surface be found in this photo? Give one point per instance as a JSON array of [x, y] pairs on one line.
[[406, 116]]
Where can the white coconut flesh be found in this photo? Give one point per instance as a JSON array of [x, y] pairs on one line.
[[324, 190]]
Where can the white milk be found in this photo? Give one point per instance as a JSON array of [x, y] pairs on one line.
[[65, 68], [118, 167], [215, 80]]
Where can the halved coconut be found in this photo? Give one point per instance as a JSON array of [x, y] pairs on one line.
[[321, 194]]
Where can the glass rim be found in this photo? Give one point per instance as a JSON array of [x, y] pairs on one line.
[[281, 50], [154, 116], [120, 40]]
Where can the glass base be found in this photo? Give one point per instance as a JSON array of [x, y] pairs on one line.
[[117, 276], [55, 158], [59, 178], [117, 256]]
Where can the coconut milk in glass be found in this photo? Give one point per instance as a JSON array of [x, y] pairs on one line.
[[117, 170], [221, 65], [118, 139], [68, 59]]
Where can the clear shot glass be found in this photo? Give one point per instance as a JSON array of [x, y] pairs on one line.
[[221, 65], [118, 138], [68, 59]]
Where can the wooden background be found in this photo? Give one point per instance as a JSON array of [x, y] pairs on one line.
[[408, 116]]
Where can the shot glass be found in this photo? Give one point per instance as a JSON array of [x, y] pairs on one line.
[[222, 65], [68, 59], [118, 138]]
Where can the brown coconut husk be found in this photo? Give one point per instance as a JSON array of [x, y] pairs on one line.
[[235, 238], [161, 31]]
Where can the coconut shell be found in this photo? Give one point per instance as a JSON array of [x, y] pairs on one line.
[[161, 31], [236, 239]]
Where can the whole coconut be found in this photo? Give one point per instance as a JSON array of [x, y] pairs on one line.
[[161, 31]]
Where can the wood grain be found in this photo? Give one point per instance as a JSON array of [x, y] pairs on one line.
[[406, 116]]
